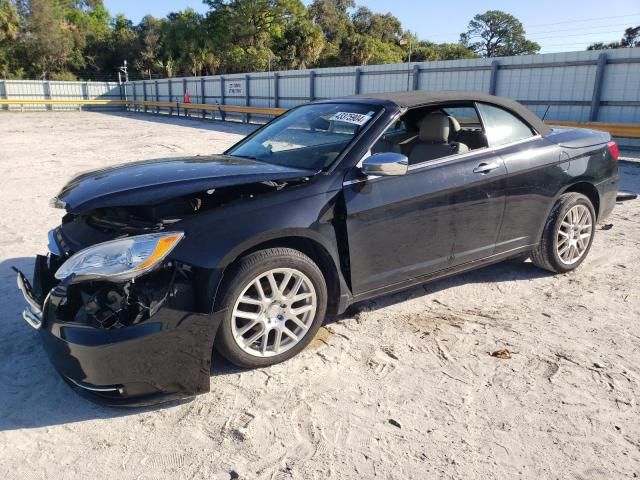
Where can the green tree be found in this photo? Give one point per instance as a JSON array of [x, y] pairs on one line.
[[385, 28], [454, 51], [182, 38], [425, 51], [630, 39], [604, 46], [95, 23], [251, 33], [332, 16], [50, 41], [122, 44], [358, 49], [497, 34], [9, 21], [149, 39], [300, 46], [9, 31]]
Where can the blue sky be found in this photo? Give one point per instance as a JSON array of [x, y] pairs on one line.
[[557, 25]]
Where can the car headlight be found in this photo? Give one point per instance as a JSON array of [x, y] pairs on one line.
[[121, 259]]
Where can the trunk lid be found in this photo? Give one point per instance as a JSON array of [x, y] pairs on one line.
[[568, 137]]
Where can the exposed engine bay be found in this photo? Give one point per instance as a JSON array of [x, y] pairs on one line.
[[113, 305], [143, 218]]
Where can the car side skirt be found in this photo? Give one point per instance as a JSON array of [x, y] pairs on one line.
[[397, 287]]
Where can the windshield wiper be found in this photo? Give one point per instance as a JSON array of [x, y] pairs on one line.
[[246, 156]]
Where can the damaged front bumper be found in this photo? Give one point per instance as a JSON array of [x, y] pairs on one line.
[[164, 355], [32, 314]]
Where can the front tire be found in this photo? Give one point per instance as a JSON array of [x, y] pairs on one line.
[[568, 234], [275, 301]]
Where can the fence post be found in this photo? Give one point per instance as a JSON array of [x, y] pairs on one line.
[[85, 96], [6, 94], [187, 112], [312, 85], [157, 95], [170, 90], [222, 99], [47, 93], [493, 80], [276, 92], [597, 87], [135, 95], [202, 96], [144, 94], [356, 87], [247, 95], [123, 94], [416, 77]]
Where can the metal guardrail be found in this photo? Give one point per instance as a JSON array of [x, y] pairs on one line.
[[615, 129], [208, 107], [137, 104], [78, 103], [62, 102]]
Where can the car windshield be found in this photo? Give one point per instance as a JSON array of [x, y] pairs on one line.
[[309, 137]]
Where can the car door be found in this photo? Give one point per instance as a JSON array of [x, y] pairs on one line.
[[398, 227], [401, 228], [478, 201], [535, 172]]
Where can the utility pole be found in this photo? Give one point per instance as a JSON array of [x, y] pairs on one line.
[[403, 42], [121, 70], [124, 70]]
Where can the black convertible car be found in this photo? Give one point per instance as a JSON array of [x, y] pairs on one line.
[[333, 202]]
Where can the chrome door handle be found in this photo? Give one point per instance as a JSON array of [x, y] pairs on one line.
[[485, 167]]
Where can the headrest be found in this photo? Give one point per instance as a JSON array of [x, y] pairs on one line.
[[434, 128], [454, 124]]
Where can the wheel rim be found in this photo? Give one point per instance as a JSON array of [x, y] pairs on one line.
[[574, 234], [274, 312]]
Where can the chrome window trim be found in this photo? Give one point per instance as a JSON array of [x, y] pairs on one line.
[[458, 156]]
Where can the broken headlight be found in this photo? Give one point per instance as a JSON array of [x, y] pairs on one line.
[[121, 259]]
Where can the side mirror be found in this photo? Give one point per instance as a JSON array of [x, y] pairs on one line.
[[385, 164]]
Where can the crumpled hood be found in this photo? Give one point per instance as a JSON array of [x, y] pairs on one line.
[[153, 181]]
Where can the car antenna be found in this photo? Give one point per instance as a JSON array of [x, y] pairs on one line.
[[545, 112]]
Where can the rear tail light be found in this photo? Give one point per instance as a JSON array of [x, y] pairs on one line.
[[613, 149]]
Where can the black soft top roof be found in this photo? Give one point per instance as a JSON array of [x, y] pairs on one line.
[[419, 98]]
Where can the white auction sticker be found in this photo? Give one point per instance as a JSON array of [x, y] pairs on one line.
[[355, 118]]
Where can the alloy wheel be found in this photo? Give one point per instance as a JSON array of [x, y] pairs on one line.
[[274, 312], [574, 234]]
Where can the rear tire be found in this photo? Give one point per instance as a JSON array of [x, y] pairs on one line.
[[567, 235], [275, 301]]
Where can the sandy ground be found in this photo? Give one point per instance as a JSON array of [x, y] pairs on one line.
[[404, 388]]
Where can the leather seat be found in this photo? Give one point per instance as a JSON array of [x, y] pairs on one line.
[[454, 128], [434, 140]]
